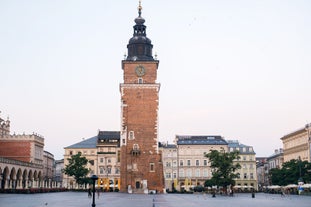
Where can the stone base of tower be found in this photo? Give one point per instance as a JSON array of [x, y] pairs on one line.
[[141, 174]]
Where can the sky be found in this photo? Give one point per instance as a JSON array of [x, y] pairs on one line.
[[239, 69]]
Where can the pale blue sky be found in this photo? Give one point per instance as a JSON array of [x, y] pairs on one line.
[[239, 69]]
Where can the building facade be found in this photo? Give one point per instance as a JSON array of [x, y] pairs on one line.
[[170, 165], [262, 169], [103, 153], [247, 173], [276, 160], [108, 159], [185, 164], [58, 174], [193, 167], [141, 162], [49, 169], [23, 161], [296, 145]]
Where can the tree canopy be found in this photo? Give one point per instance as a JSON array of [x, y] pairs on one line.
[[290, 172], [76, 168], [223, 167]]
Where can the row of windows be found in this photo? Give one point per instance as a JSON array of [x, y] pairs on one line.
[[108, 170], [85, 152], [188, 163], [243, 149], [246, 176], [197, 163], [198, 173]]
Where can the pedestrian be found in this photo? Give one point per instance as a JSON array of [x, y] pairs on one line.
[[98, 193], [89, 193]]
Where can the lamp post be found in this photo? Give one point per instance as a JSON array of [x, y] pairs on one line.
[[94, 178]]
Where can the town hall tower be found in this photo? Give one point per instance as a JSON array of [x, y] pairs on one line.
[[141, 163]]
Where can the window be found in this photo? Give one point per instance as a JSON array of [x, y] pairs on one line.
[[174, 175], [117, 171], [251, 166], [188, 162], [140, 81], [189, 173], [135, 147], [131, 135], [197, 172], [251, 175], [101, 170], [244, 158], [151, 167], [174, 163], [101, 160], [245, 175], [109, 160], [167, 175], [109, 170], [181, 163], [205, 162], [119, 156], [168, 164], [238, 175], [70, 153], [197, 162], [181, 173], [205, 173]]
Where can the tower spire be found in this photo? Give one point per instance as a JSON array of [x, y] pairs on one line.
[[139, 47], [139, 8]]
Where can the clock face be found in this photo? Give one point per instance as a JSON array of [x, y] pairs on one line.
[[140, 70]]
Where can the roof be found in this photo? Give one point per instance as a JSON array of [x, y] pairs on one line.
[[172, 146], [298, 131], [87, 143], [239, 146], [200, 140], [92, 142], [109, 135]]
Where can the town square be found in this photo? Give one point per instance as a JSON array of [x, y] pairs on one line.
[[160, 104], [71, 199]]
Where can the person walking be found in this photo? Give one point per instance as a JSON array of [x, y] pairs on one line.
[[89, 193], [98, 192]]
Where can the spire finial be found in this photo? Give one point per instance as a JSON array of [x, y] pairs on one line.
[[139, 8]]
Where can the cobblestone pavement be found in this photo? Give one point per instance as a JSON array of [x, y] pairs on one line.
[[71, 199]]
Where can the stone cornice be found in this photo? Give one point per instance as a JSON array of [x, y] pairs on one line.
[[135, 86]]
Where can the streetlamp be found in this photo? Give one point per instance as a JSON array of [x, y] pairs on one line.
[[94, 178]]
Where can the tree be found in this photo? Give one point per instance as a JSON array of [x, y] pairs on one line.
[[290, 172], [223, 168], [77, 169]]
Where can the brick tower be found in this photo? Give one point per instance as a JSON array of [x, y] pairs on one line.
[[141, 163]]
